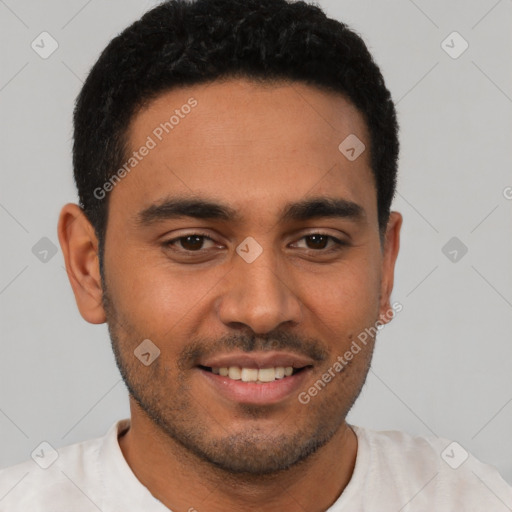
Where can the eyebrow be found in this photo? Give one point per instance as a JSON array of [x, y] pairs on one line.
[[307, 209]]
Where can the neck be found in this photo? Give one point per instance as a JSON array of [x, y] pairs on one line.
[[181, 481]]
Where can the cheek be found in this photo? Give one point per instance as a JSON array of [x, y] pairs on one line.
[[158, 299], [346, 299], [154, 296]]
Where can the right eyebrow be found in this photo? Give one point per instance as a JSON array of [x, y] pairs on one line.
[[177, 207]]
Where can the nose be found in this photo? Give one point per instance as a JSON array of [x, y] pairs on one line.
[[259, 295]]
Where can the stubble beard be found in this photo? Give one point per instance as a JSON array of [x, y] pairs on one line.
[[251, 451]]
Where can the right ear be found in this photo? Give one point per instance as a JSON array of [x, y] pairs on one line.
[[80, 249]]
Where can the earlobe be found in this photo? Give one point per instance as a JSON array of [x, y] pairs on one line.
[[390, 254], [80, 249]]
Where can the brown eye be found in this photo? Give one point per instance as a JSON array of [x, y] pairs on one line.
[[317, 241], [191, 242], [320, 242]]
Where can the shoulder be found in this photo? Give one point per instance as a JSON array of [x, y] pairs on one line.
[[432, 471], [55, 479]]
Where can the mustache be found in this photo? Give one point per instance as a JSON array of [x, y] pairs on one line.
[[278, 341]]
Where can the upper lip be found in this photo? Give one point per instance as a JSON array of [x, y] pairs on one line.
[[257, 360]]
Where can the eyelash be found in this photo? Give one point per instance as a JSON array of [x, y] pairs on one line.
[[339, 243]]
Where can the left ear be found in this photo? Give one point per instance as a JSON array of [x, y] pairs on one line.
[[390, 253]]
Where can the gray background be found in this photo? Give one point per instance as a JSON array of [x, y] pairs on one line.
[[442, 367]]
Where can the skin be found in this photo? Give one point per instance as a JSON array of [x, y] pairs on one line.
[[255, 148]]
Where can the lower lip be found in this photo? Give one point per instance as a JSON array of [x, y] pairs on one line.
[[265, 393]]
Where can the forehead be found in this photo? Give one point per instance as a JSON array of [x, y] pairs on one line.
[[246, 144]]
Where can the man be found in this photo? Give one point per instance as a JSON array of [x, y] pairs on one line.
[[235, 163]]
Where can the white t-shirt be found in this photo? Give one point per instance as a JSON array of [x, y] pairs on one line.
[[394, 472]]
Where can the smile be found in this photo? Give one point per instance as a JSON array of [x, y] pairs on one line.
[[259, 375]]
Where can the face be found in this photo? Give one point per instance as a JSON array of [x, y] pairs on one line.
[[243, 241]]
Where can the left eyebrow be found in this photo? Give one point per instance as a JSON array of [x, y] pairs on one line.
[[199, 208], [323, 207]]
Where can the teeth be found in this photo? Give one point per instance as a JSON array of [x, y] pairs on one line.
[[234, 373], [254, 374], [249, 374], [267, 374]]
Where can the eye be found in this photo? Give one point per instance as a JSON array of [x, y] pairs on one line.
[[193, 242], [319, 242]]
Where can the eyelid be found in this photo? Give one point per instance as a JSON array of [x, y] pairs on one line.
[[324, 232], [338, 242], [206, 236]]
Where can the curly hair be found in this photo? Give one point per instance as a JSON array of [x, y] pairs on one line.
[[188, 42]]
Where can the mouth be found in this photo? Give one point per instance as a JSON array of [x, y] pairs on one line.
[[257, 378], [258, 375]]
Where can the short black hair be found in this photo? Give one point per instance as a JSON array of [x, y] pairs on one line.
[[188, 42]]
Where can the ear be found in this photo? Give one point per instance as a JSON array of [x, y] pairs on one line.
[[390, 253], [80, 248]]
